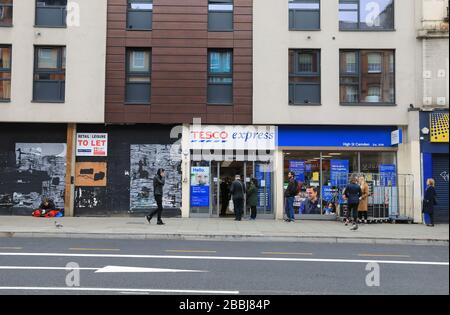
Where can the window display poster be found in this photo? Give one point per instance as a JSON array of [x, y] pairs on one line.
[[331, 194], [388, 174], [263, 176], [298, 167], [315, 176], [327, 193], [339, 172], [200, 186]]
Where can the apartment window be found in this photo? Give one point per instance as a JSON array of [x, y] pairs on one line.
[[51, 13], [49, 74], [6, 12], [374, 61], [304, 77], [220, 15], [366, 15], [350, 62], [5, 73], [138, 77], [367, 77], [351, 94], [374, 93], [304, 15], [220, 77], [140, 14]]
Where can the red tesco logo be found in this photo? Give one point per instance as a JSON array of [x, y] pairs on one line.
[[210, 135]]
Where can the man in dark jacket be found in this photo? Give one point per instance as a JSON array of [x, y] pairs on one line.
[[47, 205], [158, 184], [289, 195], [224, 196], [353, 194], [252, 197], [238, 192]]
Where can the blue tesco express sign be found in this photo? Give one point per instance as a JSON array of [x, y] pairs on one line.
[[336, 136]]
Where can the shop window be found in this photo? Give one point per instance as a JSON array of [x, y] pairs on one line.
[[304, 15], [5, 73], [220, 77], [372, 161], [366, 15], [367, 77], [304, 77], [51, 13], [329, 173], [220, 15], [138, 76], [49, 74], [140, 14], [6, 12]]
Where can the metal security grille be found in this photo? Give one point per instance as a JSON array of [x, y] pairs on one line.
[[391, 196], [441, 176]]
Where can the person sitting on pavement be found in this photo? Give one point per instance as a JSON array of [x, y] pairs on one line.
[[47, 204], [47, 209]]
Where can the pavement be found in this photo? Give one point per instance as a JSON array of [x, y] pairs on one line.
[[222, 230]]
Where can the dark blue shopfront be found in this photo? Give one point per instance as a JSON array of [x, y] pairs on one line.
[[326, 156], [434, 136]]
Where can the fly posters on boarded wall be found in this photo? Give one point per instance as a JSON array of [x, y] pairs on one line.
[[92, 144], [145, 160], [37, 170]]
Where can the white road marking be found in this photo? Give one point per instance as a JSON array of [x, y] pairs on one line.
[[107, 269], [119, 269], [42, 268], [405, 262], [117, 290]]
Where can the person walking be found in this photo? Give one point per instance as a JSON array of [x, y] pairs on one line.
[[429, 201], [224, 196], [353, 195], [158, 184], [252, 197], [238, 193], [363, 207], [289, 195]]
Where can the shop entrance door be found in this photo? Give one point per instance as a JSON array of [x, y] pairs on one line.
[[223, 174], [210, 187]]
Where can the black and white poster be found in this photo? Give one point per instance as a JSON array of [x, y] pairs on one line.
[[40, 172], [145, 161]]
